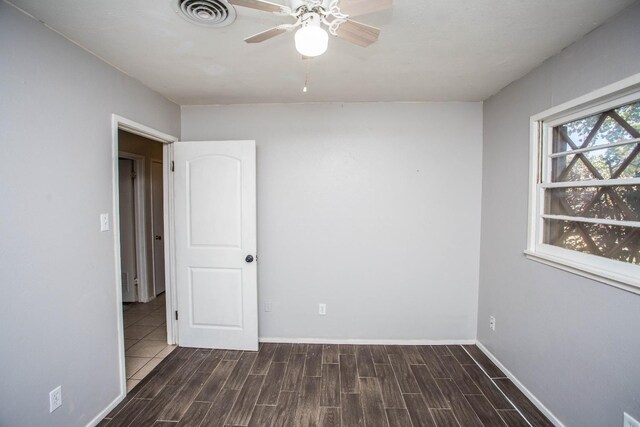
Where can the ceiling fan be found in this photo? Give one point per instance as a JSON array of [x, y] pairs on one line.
[[313, 16]]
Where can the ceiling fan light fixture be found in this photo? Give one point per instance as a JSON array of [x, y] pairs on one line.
[[311, 40]]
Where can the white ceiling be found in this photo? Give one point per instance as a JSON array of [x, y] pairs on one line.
[[429, 50]]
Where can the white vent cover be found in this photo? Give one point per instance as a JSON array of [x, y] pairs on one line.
[[208, 13]]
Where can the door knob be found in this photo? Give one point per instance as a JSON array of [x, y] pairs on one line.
[[158, 237], [249, 258]]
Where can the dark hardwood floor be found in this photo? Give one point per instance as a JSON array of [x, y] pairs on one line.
[[327, 385]]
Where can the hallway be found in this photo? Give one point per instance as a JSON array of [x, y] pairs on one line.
[[145, 338]]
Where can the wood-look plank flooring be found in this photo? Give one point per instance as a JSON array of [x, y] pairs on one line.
[[327, 385]]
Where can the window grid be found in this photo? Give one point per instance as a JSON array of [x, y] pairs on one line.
[[572, 207]]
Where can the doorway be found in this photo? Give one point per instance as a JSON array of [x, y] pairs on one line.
[[142, 254], [141, 215]]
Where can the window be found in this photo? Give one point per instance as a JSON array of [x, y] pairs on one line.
[[585, 186]]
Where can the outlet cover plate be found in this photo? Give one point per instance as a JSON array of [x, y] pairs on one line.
[[104, 222], [322, 309], [55, 398]]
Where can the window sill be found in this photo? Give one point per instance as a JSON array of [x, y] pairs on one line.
[[629, 283]]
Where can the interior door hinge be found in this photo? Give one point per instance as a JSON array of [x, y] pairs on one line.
[[176, 314], [134, 175], [172, 166]]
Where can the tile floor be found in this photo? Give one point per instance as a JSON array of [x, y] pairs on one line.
[[298, 385], [145, 338]]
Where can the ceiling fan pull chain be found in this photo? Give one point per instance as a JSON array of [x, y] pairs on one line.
[[307, 65]]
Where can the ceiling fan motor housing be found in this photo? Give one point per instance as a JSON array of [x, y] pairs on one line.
[[316, 18]]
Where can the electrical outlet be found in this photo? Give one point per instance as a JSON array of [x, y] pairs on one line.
[[630, 421], [55, 398], [322, 309], [104, 222], [268, 306], [492, 323]]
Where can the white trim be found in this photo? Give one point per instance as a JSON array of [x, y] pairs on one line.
[[171, 294], [592, 183], [632, 224], [611, 272], [534, 170], [595, 148], [493, 381], [144, 131], [140, 224], [117, 123], [98, 418], [115, 215], [365, 341], [547, 413], [584, 270]]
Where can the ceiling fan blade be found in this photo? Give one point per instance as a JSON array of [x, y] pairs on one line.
[[265, 35], [362, 7], [262, 5], [358, 33]]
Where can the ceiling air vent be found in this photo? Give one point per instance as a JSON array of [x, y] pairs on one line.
[[208, 13]]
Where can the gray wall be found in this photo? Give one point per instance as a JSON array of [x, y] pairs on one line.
[[369, 208], [573, 342], [56, 267]]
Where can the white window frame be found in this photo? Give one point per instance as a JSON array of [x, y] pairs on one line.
[[612, 272]]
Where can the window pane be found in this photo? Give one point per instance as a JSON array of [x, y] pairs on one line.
[[631, 114], [606, 163], [612, 203], [573, 133], [613, 242], [616, 203], [608, 131], [633, 170]]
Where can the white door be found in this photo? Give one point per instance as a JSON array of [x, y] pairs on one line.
[[127, 230], [157, 220], [215, 224]]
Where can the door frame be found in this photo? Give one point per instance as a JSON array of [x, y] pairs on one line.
[[142, 294], [122, 123], [153, 258]]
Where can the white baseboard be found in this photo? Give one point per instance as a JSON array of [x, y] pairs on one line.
[[94, 422], [521, 386], [364, 341]]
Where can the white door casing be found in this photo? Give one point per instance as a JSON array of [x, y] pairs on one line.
[[127, 230], [157, 225], [215, 233]]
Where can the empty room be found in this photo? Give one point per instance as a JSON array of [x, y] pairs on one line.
[[395, 213]]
